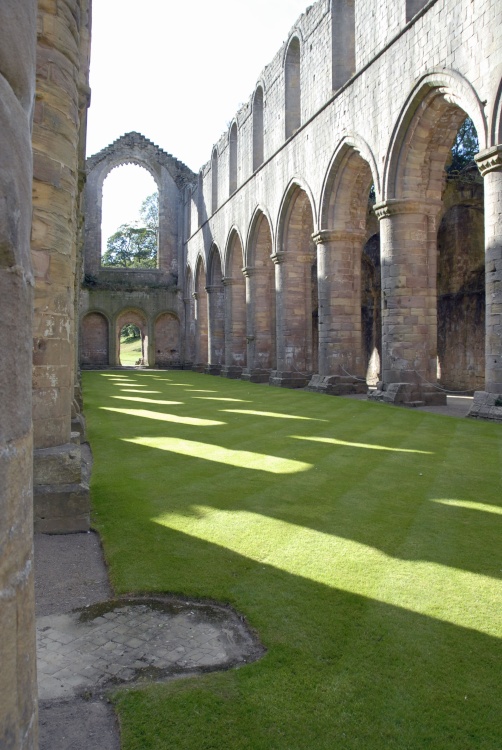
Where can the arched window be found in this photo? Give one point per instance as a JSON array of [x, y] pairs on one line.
[[214, 181], [232, 160], [293, 88], [342, 41], [258, 154], [130, 219]]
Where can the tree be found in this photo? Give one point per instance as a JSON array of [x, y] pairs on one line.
[[465, 148], [135, 245]]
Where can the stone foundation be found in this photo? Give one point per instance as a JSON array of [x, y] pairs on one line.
[[487, 406], [231, 371], [256, 375], [408, 394], [61, 497], [285, 379], [336, 385]]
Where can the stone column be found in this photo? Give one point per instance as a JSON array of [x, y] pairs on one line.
[[408, 235], [61, 497], [235, 348], [200, 353], [18, 686], [293, 319], [189, 354], [339, 289], [260, 346], [488, 403], [216, 328]]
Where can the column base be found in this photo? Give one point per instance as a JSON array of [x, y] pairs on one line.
[[336, 385], [286, 379], [61, 498], [408, 394], [213, 369], [199, 367], [255, 375], [231, 371], [486, 406]]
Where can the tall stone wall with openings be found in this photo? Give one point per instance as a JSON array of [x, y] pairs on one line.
[[322, 130]]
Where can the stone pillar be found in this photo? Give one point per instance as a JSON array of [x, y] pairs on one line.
[[260, 323], [216, 328], [408, 235], [189, 338], [61, 497], [235, 329], [293, 319], [200, 346], [18, 687], [488, 403], [339, 289]]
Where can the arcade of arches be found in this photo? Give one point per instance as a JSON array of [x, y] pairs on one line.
[[278, 262]]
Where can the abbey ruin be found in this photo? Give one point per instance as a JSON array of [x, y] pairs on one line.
[[322, 245]]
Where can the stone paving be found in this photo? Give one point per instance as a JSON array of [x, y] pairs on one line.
[[136, 639]]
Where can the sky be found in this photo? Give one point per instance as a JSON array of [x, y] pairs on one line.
[[177, 72]]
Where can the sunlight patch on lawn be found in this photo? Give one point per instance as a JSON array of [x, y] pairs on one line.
[[135, 390], [148, 400], [222, 398], [146, 414], [371, 446], [465, 599], [469, 504], [277, 415], [208, 452]]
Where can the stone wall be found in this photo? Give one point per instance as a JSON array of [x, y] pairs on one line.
[[62, 96], [371, 125], [18, 704]]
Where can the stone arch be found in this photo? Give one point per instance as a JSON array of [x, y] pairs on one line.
[[413, 185], [292, 86], [232, 158], [424, 133], [167, 342], [235, 307], [296, 290], [258, 139], [496, 120], [343, 48], [216, 311], [94, 340], [170, 175], [189, 301], [201, 331], [260, 294], [340, 243], [214, 180], [137, 317]]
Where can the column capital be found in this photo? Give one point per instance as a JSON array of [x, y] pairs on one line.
[[248, 271], [229, 281], [489, 160], [279, 257], [337, 235], [210, 288], [397, 206]]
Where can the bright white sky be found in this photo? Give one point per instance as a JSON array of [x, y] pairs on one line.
[[176, 72]]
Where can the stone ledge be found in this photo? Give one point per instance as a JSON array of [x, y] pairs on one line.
[[231, 371], [286, 379], [408, 394], [336, 385], [61, 464], [255, 375], [486, 406], [62, 508]]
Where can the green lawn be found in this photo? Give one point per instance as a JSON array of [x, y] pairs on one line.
[[130, 350], [362, 542]]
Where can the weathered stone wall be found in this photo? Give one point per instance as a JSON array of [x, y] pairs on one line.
[[394, 131], [58, 140], [18, 712]]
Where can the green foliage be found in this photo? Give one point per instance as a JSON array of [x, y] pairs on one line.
[[465, 148], [135, 245], [130, 332], [361, 541]]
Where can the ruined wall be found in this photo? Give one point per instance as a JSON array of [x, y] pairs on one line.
[[373, 126], [18, 722], [61, 497]]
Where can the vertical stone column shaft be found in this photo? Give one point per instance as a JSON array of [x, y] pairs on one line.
[[235, 322], [216, 327], [339, 288], [293, 311], [409, 304], [490, 165]]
